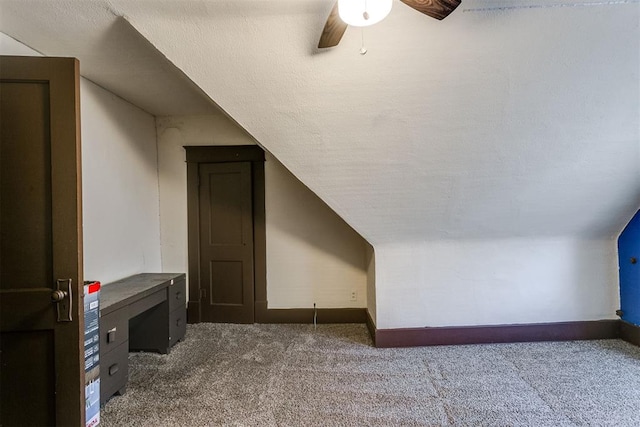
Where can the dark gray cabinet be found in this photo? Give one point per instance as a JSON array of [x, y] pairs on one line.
[[145, 312]]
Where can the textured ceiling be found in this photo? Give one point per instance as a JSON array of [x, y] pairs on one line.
[[112, 53], [521, 120]]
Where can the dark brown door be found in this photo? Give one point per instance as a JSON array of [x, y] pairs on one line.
[[41, 359], [226, 242]]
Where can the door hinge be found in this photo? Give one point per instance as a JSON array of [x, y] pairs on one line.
[[619, 313]]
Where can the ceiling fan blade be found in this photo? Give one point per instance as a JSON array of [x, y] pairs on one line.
[[333, 29], [438, 9]]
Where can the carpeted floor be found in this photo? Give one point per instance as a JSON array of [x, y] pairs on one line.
[[293, 375]]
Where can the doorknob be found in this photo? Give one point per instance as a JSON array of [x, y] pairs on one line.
[[58, 295], [63, 300]]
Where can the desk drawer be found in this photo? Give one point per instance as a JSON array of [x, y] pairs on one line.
[[177, 295], [114, 330], [177, 325], [114, 371]]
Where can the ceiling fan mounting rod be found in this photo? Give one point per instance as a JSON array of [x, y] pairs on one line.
[[547, 6]]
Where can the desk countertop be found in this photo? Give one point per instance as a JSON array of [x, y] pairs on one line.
[[130, 289]]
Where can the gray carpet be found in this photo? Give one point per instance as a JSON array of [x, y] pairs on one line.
[[293, 375]]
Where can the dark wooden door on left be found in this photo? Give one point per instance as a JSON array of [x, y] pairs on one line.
[[41, 344]]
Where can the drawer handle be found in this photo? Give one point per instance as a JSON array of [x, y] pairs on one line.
[[178, 295], [111, 335], [113, 369]]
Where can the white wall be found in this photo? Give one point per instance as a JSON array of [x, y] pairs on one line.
[[462, 150], [312, 255], [455, 283], [120, 187], [119, 182]]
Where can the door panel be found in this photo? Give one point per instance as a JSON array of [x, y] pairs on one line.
[[26, 203], [39, 384], [226, 242], [225, 212], [226, 282], [42, 369], [629, 261]]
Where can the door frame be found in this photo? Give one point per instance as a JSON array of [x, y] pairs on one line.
[[225, 154]]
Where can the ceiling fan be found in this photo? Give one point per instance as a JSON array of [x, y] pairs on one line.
[[336, 26]]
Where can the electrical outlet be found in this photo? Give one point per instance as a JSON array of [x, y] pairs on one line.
[[354, 295]]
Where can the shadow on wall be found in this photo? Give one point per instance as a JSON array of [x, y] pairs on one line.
[[594, 280], [293, 209], [121, 126]]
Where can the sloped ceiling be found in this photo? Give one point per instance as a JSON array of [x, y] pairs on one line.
[[112, 53], [506, 119]]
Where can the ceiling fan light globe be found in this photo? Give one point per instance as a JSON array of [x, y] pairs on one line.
[[362, 13]]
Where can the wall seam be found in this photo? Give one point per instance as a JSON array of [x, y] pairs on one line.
[[155, 123]]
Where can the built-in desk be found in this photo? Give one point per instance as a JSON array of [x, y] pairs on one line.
[[145, 312]]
